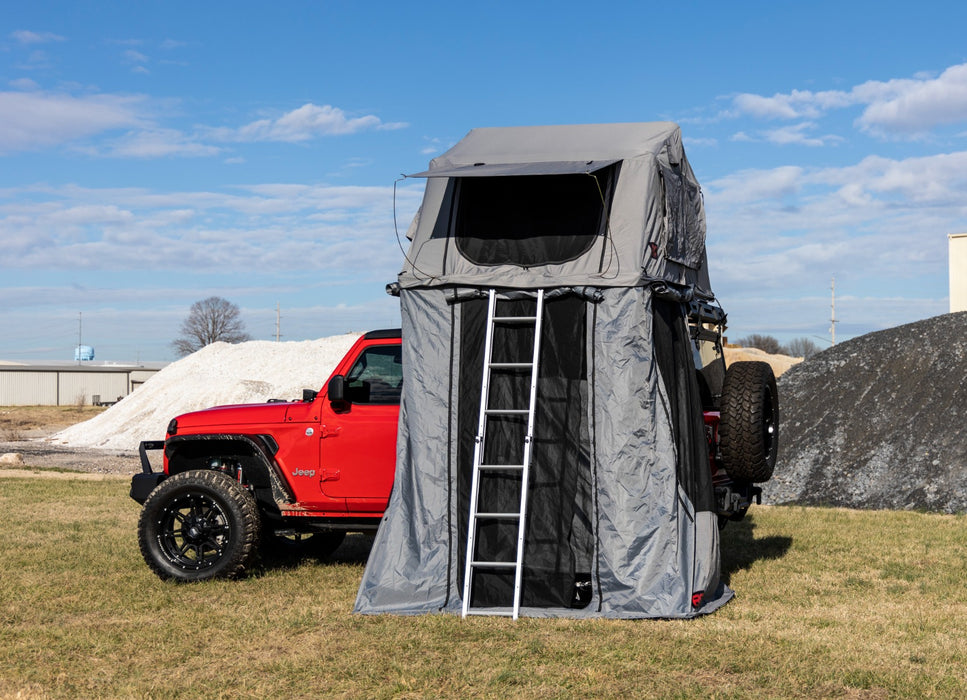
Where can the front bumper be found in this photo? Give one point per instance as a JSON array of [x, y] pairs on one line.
[[144, 483]]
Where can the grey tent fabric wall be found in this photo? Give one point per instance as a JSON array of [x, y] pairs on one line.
[[653, 550], [411, 569], [654, 546]]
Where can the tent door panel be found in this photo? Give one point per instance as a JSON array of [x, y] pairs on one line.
[[510, 412], [559, 541]]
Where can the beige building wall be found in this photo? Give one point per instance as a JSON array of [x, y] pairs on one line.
[[958, 271]]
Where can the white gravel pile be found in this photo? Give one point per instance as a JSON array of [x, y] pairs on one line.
[[217, 375]]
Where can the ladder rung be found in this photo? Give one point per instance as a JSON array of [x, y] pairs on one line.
[[494, 564], [495, 612], [515, 319], [511, 365], [499, 516], [497, 467], [507, 412]]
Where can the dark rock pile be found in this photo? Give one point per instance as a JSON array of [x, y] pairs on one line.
[[879, 421]]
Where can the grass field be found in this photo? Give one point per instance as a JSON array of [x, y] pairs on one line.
[[17, 421], [830, 603]]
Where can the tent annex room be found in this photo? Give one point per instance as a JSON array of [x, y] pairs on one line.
[[545, 348]]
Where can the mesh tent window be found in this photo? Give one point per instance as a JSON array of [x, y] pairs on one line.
[[529, 220]]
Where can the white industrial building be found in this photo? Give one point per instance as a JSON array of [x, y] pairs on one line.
[[957, 246], [70, 385]]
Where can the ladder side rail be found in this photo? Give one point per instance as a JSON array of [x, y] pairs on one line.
[[528, 448], [478, 452]]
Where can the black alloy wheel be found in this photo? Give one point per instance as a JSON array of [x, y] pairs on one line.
[[199, 525]]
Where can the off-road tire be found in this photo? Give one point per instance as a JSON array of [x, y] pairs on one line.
[[199, 525], [749, 424]]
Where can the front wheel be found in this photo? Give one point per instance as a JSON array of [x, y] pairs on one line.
[[199, 525], [749, 424]]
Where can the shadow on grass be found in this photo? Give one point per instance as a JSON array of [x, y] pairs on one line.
[[741, 549], [739, 546], [284, 554]]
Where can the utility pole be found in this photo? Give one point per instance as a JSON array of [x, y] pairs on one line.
[[278, 322], [832, 315], [78, 353]]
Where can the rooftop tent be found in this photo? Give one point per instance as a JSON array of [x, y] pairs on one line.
[[632, 180], [607, 222]]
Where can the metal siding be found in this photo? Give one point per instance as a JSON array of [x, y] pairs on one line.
[[140, 376], [53, 386], [79, 387], [25, 388]]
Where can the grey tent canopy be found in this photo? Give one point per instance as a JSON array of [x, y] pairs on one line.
[[608, 220]]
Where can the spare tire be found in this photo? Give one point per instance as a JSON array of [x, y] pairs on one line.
[[749, 424]]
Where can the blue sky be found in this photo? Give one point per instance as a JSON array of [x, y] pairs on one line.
[[156, 153]]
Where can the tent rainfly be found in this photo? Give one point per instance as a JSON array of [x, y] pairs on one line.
[[593, 240]]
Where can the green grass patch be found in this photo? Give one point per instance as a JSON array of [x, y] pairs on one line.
[[830, 603]]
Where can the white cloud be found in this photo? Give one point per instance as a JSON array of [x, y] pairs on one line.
[[794, 105], [796, 134], [32, 120], [304, 123], [156, 143], [345, 231], [27, 37], [883, 222], [906, 108], [754, 185], [25, 84], [912, 107], [699, 142]]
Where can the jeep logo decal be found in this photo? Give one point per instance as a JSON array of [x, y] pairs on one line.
[[304, 472]]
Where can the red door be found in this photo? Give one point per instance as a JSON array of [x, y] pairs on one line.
[[358, 438]]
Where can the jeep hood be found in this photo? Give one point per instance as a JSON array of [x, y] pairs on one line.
[[243, 414]]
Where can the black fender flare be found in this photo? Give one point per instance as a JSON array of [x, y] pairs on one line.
[[256, 452]]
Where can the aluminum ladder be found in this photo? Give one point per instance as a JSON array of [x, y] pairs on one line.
[[474, 564]]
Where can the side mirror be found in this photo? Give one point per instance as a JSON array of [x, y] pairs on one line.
[[336, 390], [309, 395]]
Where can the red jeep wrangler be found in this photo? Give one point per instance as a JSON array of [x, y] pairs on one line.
[[322, 466]]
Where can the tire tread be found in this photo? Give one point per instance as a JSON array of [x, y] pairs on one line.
[[745, 451], [219, 485]]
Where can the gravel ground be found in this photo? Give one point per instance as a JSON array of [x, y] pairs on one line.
[[38, 453]]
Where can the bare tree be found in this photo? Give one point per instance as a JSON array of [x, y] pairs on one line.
[[801, 347], [210, 320], [766, 343]]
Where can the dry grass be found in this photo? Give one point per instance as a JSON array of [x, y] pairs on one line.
[[830, 603], [16, 421]]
